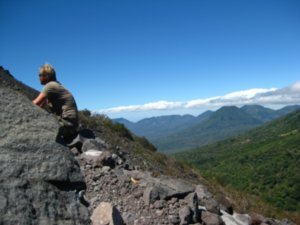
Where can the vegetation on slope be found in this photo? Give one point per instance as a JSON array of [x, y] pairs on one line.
[[264, 162], [145, 154]]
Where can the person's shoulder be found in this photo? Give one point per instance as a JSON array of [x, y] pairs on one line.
[[52, 84]]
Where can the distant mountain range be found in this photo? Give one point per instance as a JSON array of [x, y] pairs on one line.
[[263, 161], [177, 133], [156, 127]]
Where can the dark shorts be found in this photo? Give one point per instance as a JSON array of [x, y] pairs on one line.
[[68, 128]]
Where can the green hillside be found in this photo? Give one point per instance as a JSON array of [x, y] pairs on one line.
[[264, 162]]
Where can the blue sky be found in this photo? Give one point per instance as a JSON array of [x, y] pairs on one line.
[[138, 58]]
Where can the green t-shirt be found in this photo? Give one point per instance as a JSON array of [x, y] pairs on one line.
[[62, 103]]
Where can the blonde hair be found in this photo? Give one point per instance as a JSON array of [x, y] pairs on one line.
[[48, 70]]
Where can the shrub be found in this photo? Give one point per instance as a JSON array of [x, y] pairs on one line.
[[145, 143]]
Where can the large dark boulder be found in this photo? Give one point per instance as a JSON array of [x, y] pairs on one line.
[[39, 178]]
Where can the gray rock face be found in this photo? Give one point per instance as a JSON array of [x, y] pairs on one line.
[[192, 201], [206, 199], [168, 188], [209, 218], [39, 178], [185, 215], [105, 213], [97, 144], [150, 195]]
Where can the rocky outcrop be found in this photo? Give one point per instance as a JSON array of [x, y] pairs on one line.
[[142, 199], [39, 178]]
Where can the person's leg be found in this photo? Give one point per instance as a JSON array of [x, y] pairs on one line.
[[68, 129]]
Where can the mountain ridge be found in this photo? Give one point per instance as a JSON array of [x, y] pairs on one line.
[[162, 124], [203, 129]]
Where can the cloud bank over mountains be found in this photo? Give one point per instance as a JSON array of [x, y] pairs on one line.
[[267, 97]]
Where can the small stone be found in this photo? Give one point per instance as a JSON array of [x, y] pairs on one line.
[[105, 169], [114, 156], [93, 200], [128, 217], [159, 212], [138, 193], [159, 204], [123, 191], [74, 151], [173, 200], [174, 219]]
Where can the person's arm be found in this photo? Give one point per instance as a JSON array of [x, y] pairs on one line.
[[40, 100]]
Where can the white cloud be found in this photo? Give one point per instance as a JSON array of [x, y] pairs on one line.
[[271, 96], [160, 105], [234, 98], [247, 94], [200, 102], [287, 95]]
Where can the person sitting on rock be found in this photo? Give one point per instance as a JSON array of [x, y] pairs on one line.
[[60, 102]]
